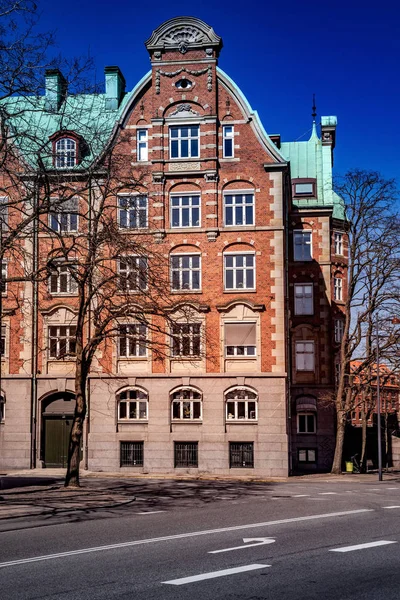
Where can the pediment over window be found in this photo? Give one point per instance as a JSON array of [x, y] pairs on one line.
[[254, 307]]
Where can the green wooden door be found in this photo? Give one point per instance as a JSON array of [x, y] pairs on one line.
[[57, 431]]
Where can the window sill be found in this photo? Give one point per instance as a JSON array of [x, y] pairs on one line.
[[185, 227], [133, 358], [241, 357], [241, 422], [186, 422], [306, 433], [305, 371], [133, 422], [64, 294], [186, 358], [244, 226], [240, 291], [180, 292]]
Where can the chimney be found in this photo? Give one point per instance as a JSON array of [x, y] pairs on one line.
[[328, 133], [56, 89], [115, 87]]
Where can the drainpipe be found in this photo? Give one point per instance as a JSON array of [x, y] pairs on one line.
[[88, 382], [34, 349], [287, 200]]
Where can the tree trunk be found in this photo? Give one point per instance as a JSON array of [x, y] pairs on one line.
[[337, 460], [363, 457], [75, 440]]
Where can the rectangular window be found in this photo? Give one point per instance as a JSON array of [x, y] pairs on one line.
[[339, 330], [228, 135], [62, 280], [4, 213], [63, 217], [239, 271], [302, 245], [131, 454], [132, 340], [307, 455], [338, 242], [239, 209], [186, 454], [303, 299], [132, 212], [240, 339], [306, 423], [142, 145], [337, 288], [184, 141], [3, 340], [304, 188], [185, 211], [305, 356], [4, 270], [186, 339], [186, 272], [62, 341], [241, 455], [132, 273]]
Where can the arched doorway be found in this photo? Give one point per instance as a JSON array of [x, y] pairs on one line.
[[57, 415]]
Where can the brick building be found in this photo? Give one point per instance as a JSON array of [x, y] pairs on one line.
[[253, 235]]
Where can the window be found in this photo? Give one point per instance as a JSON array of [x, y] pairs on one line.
[[185, 211], [302, 241], [307, 455], [183, 84], [240, 339], [228, 134], [305, 188], [184, 141], [65, 153], [186, 454], [132, 340], [133, 273], [4, 213], [239, 271], [132, 213], [2, 408], [241, 404], [239, 209], [303, 299], [4, 270], [305, 356], [339, 330], [142, 145], [3, 342], [62, 341], [64, 215], [186, 405], [62, 280], [338, 370], [132, 405], [131, 454], [186, 339], [306, 423], [338, 238], [241, 455], [337, 288], [186, 272]]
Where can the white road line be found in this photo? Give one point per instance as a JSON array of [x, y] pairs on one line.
[[395, 488], [327, 493], [301, 496], [214, 574], [150, 512], [390, 506], [363, 546], [374, 490], [180, 536]]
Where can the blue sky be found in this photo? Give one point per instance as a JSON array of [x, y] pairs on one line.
[[279, 53]]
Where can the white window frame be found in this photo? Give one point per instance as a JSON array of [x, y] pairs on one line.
[[3, 342], [228, 137], [136, 209], [306, 430], [239, 195], [184, 415], [245, 401], [139, 276], [179, 138], [142, 145], [180, 336], [235, 269], [181, 207], [72, 287], [181, 270], [65, 219], [69, 337], [4, 274], [4, 213], [338, 288], [137, 401], [135, 336], [305, 366], [246, 349], [307, 454], [338, 242], [65, 153], [304, 301], [339, 330], [301, 234]]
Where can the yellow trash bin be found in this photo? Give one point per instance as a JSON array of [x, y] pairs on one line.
[[349, 466]]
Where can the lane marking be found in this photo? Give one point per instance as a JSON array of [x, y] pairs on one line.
[[363, 546], [184, 535], [374, 489], [301, 496], [214, 574], [327, 493], [257, 542], [150, 512], [390, 506], [391, 488]]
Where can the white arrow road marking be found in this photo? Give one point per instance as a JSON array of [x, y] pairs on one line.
[[363, 546], [257, 542], [215, 574]]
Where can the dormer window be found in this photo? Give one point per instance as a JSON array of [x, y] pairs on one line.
[[304, 188], [67, 149]]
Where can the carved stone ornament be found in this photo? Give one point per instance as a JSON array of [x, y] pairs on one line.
[[195, 73], [159, 236], [184, 110], [212, 176], [183, 33], [212, 235], [184, 166], [158, 177]]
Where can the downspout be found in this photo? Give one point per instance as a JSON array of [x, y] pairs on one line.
[[34, 349], [287, 322], [88, 381]]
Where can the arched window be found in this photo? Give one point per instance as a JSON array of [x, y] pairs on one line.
[[241, 404], [186, 404], [132, 405], [65, 153]]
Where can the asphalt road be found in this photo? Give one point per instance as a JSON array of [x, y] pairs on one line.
[[290, 541]]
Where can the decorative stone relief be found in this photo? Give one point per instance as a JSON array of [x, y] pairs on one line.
[[186, 166], [183, 37], [212, 235], [184, 110], [211, 176], [195, 73], [159, 236], [158, 177]]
